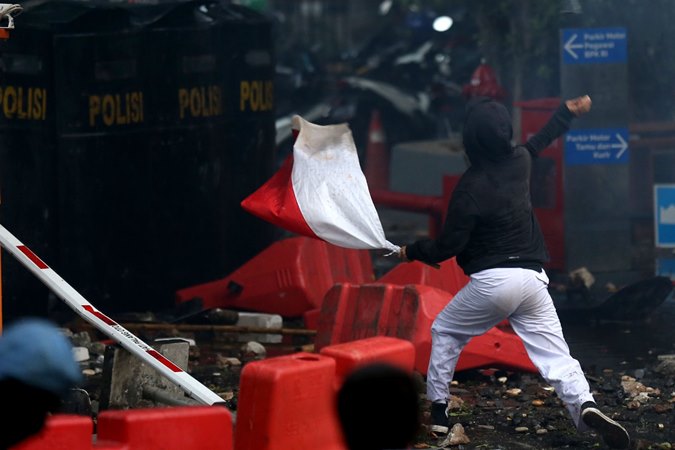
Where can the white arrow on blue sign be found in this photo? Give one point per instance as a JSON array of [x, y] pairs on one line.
[[596, 146], [664, 209], [593, 45]]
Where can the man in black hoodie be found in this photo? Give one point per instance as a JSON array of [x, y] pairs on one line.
[[491, 228]]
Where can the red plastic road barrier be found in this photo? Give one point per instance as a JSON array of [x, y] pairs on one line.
[[350, 312], [353, 312], [311, 318], [288, 403], [289, 277], [504, 348], [61, 432], [351, 355], [449, 277], [171, 428], [410, 317]]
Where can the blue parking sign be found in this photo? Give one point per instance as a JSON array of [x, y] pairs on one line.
[[594, 45], [664, 214], [665, 267], [596, 146]]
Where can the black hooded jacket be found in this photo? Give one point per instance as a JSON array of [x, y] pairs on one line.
[[490, 222]]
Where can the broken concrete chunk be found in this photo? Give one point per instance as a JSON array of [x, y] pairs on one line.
[[515, 392], [252, 351], [130, 383], [80, 354], [457, 436], [258, 320]]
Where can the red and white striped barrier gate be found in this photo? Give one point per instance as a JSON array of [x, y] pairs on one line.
[[105, 324]]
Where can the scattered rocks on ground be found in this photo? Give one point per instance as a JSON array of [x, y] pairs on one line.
[[489, 408]]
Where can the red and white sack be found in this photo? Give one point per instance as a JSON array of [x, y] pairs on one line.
[[321, 191]]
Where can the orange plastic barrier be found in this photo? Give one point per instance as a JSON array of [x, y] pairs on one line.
[[352, 312], [287, 403], [61, 432], [351, 355], [288, 278], [501, 349], [171, 428], [311, 318], [449, 277]]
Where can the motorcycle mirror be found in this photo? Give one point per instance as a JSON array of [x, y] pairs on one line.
[[442, 23], [8, 11], [385, 7], [570, 7]]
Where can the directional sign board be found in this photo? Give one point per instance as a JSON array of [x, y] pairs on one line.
[[594, 45], [664, 214], [665, 267], [598, 227], [596, 146]]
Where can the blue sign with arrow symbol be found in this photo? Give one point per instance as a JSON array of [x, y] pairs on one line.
[[594, 45], [596, 146], [664, 208]]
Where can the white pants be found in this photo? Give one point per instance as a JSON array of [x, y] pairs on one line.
[[521, 295]]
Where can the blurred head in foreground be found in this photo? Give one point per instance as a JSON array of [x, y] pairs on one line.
[[37, 369], [378, 408]]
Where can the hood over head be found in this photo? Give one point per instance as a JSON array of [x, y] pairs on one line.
[[487, 131], [35, 352]]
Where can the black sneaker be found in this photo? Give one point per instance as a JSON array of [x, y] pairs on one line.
[[614, 435], [439, 419]]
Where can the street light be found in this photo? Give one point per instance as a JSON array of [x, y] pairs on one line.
[[442, 23]]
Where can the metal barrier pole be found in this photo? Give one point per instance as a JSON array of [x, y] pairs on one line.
[[103, 323]]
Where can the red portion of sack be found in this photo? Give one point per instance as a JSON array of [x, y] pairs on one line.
[[275, 202]]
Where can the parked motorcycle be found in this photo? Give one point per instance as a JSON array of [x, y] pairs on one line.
[[405, 72]]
